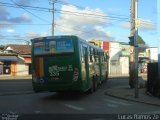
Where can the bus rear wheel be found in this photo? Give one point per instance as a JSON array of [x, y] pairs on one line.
[[91, 90], [95, 83], [106, 77]]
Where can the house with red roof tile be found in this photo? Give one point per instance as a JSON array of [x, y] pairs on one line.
[[15, 60]]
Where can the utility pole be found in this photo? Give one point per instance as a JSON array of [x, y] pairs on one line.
[[132, 31], [136, 49], [53, 18], [133, 71], [158, 11]]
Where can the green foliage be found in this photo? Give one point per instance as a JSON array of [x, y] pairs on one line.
[[140, 40], [1, 47]]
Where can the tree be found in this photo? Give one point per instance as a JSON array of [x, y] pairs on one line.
[[2, 47], [140, 40]]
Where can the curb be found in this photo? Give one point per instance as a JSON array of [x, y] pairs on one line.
[[15, 77], [1, 79], [130, 99]]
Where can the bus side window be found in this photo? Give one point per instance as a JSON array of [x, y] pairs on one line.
[[102, 57], [105, 57], [98, 60], [84, 51], [82, 54], [95, 55], [91, 54]]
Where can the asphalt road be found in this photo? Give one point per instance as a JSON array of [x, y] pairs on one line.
[[48, 104], [10, 87]]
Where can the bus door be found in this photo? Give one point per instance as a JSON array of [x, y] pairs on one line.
[[85, 66], [100, 64]]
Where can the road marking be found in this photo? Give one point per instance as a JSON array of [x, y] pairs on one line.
[[74, 107], [112, 105], [117, 102], [151, 112], [37, 111]]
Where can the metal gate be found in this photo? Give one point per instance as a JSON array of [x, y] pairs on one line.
[[119, 67]]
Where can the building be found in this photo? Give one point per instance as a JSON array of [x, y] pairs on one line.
[[119, 54], [148, 55], [102, 44], [152, 53], [15, 60]]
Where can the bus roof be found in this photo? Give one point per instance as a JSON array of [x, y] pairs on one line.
[[53, 37], [66, 36]]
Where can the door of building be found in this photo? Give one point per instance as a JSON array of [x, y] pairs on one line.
[[7, 67], [1, 69]]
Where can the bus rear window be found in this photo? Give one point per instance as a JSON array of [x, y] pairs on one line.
[[50, 46]]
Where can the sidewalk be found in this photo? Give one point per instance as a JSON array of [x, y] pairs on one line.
[[126, 93], [9, 77]]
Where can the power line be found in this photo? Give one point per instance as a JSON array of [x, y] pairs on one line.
[[42, 8], [30, 12], [71, 13], [65, 3], [90, 15], [147, 22], [23, 24], [58, 11], [24, 6], [53, 18], [77, 30], [118, 16]]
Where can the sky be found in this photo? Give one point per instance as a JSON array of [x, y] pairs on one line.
[[22, 20]]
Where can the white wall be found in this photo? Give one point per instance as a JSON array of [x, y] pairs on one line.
[[154, 54], [121, 65], [114, 50], [124, 61], [22, 68]]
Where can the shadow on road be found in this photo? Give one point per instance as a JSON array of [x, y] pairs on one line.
[[10, 87], [66, 96]]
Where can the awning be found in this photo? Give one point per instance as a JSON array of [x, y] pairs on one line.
[[27, 59], [8, 58]]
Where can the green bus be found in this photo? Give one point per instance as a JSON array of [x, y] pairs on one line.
[[67, 64]]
